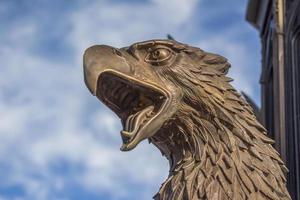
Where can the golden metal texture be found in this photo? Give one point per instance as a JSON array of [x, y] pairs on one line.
[[180, 99]]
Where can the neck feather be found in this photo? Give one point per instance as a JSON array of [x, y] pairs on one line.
[[212, 159]]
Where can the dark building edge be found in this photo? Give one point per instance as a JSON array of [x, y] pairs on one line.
[[278, 23]]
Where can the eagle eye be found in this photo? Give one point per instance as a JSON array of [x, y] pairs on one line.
[[158, 56]]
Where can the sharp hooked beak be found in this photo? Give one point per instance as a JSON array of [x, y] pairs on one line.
[[131, 91], [99, 58]]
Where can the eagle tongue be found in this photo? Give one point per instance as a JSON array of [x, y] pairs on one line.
[[134, 121]]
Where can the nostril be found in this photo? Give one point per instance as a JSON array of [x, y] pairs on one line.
[[119, 53]]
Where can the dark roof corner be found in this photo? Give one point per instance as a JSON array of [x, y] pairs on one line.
[[252, 12], [256, 12]]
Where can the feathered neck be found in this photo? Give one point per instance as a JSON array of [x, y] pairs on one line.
[[211, 159]]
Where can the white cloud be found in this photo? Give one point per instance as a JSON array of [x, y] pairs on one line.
[[123, 23]]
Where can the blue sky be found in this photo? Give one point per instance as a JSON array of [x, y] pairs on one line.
[[57, 142]]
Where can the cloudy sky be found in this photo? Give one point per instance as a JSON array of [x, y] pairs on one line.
[[57, 142]]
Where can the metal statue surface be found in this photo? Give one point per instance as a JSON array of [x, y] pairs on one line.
[[180, 99]]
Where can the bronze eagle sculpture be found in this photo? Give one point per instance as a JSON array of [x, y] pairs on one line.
[[180, 99]]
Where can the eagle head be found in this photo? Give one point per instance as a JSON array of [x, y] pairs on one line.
[[148, 83]]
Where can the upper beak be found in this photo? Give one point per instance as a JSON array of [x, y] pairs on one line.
[[99, 58]]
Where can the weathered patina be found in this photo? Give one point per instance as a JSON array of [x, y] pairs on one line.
[[180, 99]]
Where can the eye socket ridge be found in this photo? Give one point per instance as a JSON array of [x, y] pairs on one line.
[[159, 56]]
